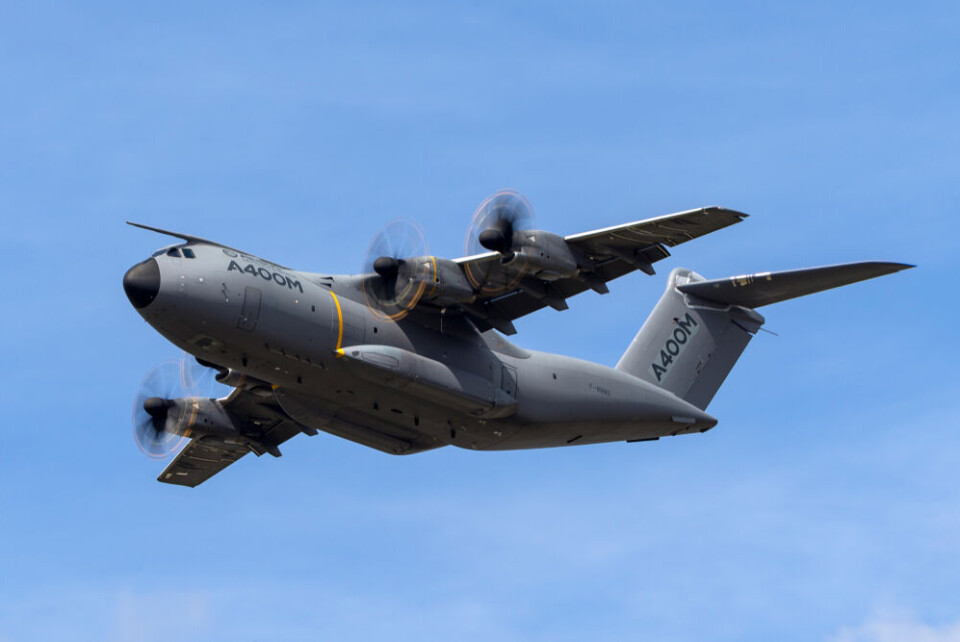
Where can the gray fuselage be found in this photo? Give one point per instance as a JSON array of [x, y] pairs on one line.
[[427, 380]]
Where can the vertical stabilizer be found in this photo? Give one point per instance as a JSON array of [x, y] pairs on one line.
[[688, 345]]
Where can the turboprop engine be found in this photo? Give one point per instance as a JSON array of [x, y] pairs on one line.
[[541, 254], [190, 417]]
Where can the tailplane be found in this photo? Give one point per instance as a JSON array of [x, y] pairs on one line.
[[700, 327]]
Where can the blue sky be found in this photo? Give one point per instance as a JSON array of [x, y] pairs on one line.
[[825, 506]]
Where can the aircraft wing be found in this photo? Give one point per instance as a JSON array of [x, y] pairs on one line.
[[605, 254], [265, 427]]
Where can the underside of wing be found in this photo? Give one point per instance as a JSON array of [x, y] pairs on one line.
[[509, 288], [200, 460], [261, 427]]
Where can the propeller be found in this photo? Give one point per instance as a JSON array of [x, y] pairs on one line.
[[496, 219], [153, 431], [392, 281], [493, 227]]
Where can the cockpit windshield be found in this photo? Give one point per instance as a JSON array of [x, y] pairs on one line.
[[177, 251]]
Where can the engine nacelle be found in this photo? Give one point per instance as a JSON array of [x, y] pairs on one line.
[[445, 282], [198, 416], [542, 254]]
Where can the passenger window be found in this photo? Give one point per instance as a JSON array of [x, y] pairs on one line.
[[187, 252], [173, 252]]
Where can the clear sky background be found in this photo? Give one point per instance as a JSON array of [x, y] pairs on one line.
[[825, 505]]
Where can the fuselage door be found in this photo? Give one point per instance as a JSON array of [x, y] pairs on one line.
[[250, 311]]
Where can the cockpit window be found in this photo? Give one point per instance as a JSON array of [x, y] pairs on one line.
[[187, 252], [173, 252]]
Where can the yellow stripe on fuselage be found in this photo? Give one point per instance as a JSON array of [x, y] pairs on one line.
[[336, 301], [435, 282]]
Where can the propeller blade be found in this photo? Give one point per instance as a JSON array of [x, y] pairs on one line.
[[391, 283], [168, 380], [493, 227]]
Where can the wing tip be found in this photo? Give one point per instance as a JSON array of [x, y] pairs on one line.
[[726, 210], [886, 267]]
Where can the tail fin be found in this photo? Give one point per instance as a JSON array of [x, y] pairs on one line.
[[699, 329]]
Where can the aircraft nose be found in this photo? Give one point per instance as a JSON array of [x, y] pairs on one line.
[[142, 283]]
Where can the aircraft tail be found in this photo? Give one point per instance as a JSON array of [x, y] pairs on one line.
[[698, 330]]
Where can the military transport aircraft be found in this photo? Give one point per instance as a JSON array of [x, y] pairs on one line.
[[410, 355]]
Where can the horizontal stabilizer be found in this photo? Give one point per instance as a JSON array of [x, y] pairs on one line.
[[755, 290]]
